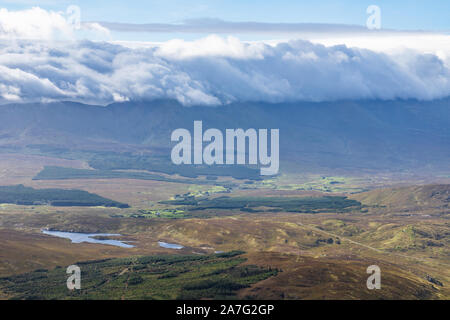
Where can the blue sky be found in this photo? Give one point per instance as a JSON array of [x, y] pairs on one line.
[[399, 14]]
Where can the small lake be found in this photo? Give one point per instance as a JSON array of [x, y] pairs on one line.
[[170, 245], [76, 237]]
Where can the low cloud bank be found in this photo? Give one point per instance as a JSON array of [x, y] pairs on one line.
[[213, 71]]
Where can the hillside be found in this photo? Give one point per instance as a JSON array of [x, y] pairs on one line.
[[435, 196]]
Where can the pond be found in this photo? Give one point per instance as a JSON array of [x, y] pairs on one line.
[[170, 245], [76, 237]]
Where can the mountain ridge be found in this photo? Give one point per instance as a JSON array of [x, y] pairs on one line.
[[353, 135]]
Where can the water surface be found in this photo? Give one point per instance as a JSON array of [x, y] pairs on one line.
[[170, 245], [77, 237]]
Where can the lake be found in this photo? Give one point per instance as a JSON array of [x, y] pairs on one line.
[[76, 237], [170, 245]]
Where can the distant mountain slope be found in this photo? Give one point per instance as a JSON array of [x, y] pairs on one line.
[[408, 197], [353, 135]]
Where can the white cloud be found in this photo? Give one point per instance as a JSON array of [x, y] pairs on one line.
[[215, 70], [40, 24], [427, 43], [94, 26], [34, 23]]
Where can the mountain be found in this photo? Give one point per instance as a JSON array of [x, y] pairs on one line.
[[350, 135]]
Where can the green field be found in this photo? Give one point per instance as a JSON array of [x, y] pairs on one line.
[[315, 182], [151, 214]]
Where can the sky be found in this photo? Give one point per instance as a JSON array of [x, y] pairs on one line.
[[398, 14], [215, 52]]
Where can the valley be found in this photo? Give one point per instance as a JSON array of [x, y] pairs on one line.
[[318, 241]]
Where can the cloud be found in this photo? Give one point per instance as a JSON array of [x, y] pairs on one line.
[[217, 26], [383, 40], [215, 70], [328, 34], [40, 24], [33, 23]]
